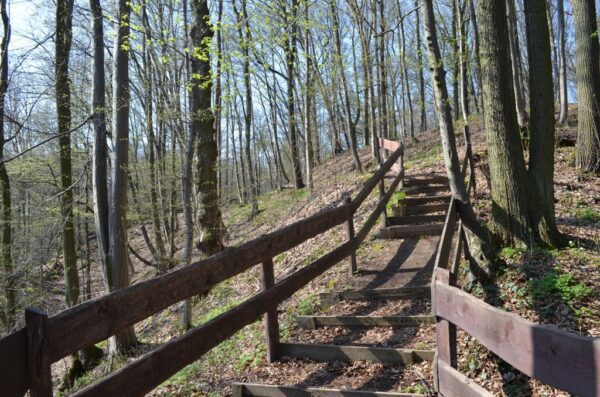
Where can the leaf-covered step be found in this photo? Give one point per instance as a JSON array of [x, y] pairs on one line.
[[435, 180], [313, 322], [249, 389], [329, 353], [331, 298], [394, 232], [415, 219], [410, 201]]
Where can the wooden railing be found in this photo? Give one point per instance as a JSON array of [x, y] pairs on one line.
[[558, 358], [27, 354]]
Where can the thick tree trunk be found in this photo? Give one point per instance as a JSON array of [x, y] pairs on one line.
[[6, 240], [119, 258], [511, 220], [64, 34], [562, 63], [588, 85], [477, 236], [202, 122], [541, 123]]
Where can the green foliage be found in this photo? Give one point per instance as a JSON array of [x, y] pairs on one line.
[[589, 215], [306, 306], [563, 285], [511, 253], [417, 389]]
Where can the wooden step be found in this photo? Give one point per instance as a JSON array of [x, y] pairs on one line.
[[328, 353], [394, 232], [250, 389], [331, 298], [410, 201], [429, 190], [313, 322], [426, 209], [434, 180], [415, 219]]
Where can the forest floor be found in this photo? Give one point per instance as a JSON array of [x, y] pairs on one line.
[[550, 286]]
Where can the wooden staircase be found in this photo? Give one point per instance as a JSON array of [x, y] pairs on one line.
[[420, 213]]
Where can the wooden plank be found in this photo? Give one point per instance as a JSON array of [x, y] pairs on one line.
[[147, 372], [425, 190], [377, 177], [249, 389], [350, 234], [435, 180], [327, 353], [329, 298], [389, 144], [98, 319], [426, 209], [312, 322], [14, 378], [270, 319], [445, 331], [445, 244], [454, 384], [415, 219], [40, 372], [425, 200], [394, 232], [558, 358]]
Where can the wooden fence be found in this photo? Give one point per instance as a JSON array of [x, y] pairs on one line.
[[558, 358], [27, 354]]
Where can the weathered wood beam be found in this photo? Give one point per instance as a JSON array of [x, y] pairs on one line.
[[312, 322], [330, 298], [248, 389]]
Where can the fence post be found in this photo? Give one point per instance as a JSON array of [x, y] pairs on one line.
[[40, 373], [445, 330], [350, 233], [271, 321]]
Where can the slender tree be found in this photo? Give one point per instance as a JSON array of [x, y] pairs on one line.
[[119, 259], [64, 35], [9, 316], [562, 63]]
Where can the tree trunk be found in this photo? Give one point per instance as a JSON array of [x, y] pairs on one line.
[[588, 85], [511, 220], [202, 123], [420, 68], [119, 258], [6, 247], [64, 34], [476, 50], [308, 103], [477, 236], [411, 126], [562, 63], [541, 123], [511, 18]]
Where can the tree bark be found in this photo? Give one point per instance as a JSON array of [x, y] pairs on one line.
[[541, 123], [6, 247], [202, 123], [588, 85], [477, 236], [420, 68], [119, 258], [64, 35], [562, 63], [511, 18]]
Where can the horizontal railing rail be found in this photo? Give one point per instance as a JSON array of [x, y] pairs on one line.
[[100, 318], [555, 357]]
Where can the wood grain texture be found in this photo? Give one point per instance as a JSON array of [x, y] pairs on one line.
[[40, 372], [14, 378], [150, 370], [312, 322], [327, 353], [98, 319], [454, 384], [270, 319], [394, 232], [248, 389], [558, 358]]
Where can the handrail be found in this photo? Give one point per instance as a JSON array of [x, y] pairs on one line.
[[555, 357], [98, 319]]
